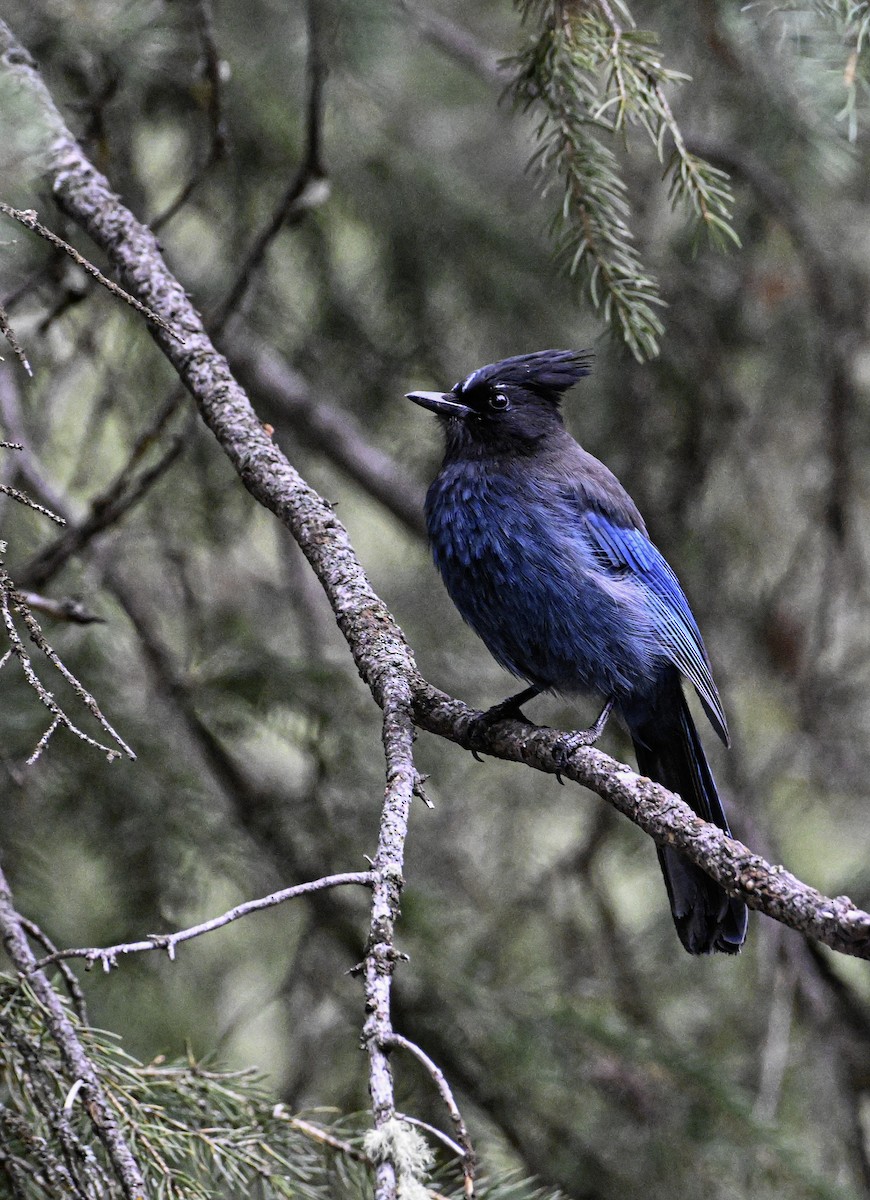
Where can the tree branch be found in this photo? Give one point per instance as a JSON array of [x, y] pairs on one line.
[[108, 508], [30, 220], [10, 598], [836, 298], [381, 954], [309, 187], [457, 43], [108, 955], [212, 75], [9, 333], [465, 1148], [76, 1061]]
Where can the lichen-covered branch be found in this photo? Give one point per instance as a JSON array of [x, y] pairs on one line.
[[381, 954]]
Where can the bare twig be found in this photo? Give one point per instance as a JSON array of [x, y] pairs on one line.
[[124, 492], [9, 333], [29, 220], [38, 638], [72, 984], [43, 742], [456, 42], [309, 187], [211, 71], [318, 1134], [10, 596], [63, 608], [26, 463], [23, 498], [452, 1146], [108, 955], [437, 1075], [834, 303], [381, 954]]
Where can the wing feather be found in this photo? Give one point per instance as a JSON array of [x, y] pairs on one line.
[[628, 549]]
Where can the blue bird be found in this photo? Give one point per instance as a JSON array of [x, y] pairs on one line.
[[547, 558]]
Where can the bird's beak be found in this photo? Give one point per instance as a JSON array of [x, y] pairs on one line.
[[443, 403]]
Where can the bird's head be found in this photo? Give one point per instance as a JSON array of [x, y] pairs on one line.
[[508, 405]]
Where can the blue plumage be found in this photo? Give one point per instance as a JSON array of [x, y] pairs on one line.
[[547, 558]]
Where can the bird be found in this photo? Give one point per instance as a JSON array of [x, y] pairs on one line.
[[547, 558]]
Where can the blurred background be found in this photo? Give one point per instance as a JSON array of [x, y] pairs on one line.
[[545, 976]]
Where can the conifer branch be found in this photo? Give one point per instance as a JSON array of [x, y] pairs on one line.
[[592, 76], [850, 19]]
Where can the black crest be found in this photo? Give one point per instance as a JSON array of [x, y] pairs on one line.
[[545, 372]]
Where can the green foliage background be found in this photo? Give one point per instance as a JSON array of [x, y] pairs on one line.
[[544, 974]]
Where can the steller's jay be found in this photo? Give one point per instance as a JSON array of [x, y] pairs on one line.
[[547, 558]]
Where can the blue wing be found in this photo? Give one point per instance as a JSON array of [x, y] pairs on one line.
[[628, 549]]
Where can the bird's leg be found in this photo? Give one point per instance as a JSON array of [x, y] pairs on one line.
[[507, 709], [510, 707], [582, 737], [588, 737]]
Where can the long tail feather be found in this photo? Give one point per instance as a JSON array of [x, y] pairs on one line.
[[669, 751]]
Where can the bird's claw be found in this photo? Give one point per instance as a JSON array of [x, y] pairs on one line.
[[566, 745], [510, 709]]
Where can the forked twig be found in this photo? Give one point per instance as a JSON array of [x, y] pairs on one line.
[[9, 598], [108, 955], [398, 1042], [28, 218]]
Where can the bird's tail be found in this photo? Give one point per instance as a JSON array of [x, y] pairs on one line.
[[670, 753]]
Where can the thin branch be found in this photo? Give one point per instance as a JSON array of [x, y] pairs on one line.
[[10, 596], [26, 464], [23, 498], [456, 42], [78, 1066], [122, 494], [323, 1136], [108, 955], [835, 300], [452, 1146], [29, 219], [38, 638], [9, 333], [63, 608], [212, 74], [309, 187], [381, 954], [437, 1075], [76, 994], [43, 742]]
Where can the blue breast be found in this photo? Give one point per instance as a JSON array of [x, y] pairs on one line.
[[522, 572]]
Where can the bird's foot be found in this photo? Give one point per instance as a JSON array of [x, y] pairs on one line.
[[510, 709], [566, 745]]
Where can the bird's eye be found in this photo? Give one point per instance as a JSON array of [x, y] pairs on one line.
[[498, 401]]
